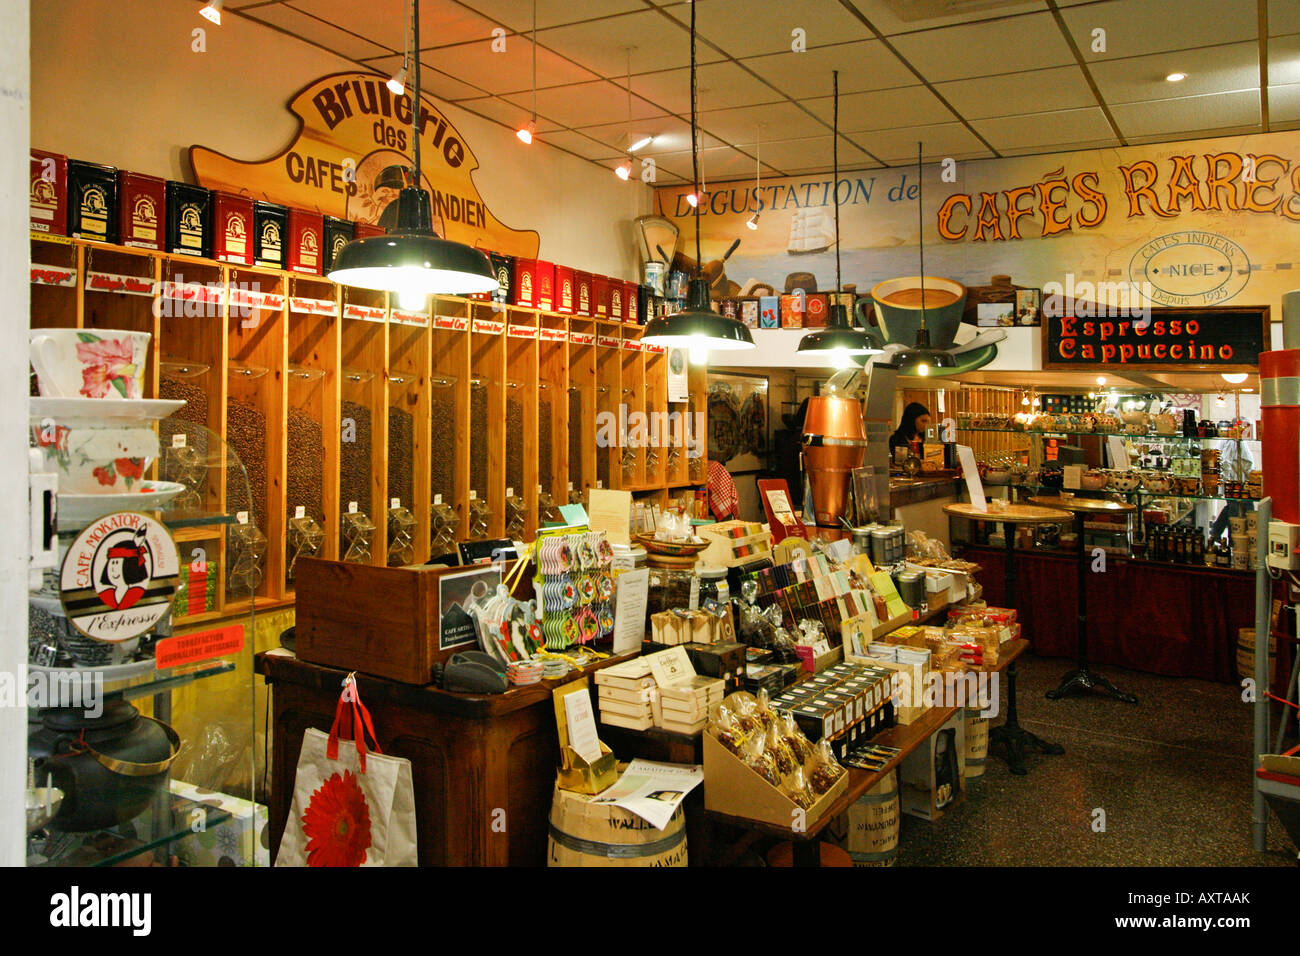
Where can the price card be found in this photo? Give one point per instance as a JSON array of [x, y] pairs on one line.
[[1072, 476], [178, 440], [241, 517], [437, 499], [582, 726], [394, 503], [352, 507], [570, 486], [473, 495], [599, 483], [970, 471], [1118, 453], [300, 512], [510, 492]]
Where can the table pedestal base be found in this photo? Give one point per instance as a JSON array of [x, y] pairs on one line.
[[1082, 680]]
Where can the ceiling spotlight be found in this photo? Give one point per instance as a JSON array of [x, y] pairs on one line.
[[693, 199], [525, 133], [1176, 77], [1101, 379], [1024, 400], [639, 141], [623, 169], [1234, 378], [212, 11], [397, 85], [1037, 402], [752, 221], [1219, 402]]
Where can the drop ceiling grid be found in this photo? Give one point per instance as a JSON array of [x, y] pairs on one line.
[[1004, 81]]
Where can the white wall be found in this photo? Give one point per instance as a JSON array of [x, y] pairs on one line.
[[115, 81], [15, 115]]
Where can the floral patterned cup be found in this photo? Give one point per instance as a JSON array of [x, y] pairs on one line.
[[92, 461], [89, 363]]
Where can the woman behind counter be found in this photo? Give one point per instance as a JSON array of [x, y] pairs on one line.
[[916, 419]]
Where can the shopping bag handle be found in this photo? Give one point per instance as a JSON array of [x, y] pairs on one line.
[[351, 722]]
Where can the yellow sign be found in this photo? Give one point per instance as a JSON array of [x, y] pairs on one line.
[[352, 128]]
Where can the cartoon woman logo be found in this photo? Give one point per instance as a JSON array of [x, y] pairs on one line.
[[123, 566]]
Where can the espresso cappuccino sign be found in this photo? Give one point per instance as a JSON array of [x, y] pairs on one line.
[[1172, 340], [352, 129]]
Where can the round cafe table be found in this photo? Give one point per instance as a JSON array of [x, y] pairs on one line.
[[1017, 740], [1082, 679]]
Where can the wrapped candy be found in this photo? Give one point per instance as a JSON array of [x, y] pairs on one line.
[[759, 759], [823, 769]]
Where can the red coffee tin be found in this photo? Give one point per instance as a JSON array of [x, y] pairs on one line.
[[816, 310], [364, 230], [583, 296], [141, 203], [545, 285], [631, 311], [792, 309], [525, 283], [565, 290], [49, 192], [232, 228], [600, 296], [306, 236], [614, 294]]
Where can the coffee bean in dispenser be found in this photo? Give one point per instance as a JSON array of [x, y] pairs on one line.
[[514, 442], [305, 454], [184, 421], [442, 458], [545, 474], [478, 424], [246, 434], [401, 456], [354, 458]]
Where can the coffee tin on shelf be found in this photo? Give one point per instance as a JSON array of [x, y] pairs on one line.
[[306, 236], [189, 216], [232, 228], [49, 192], [545, 285], [816, 309], [565, 291], [142, 201], [503, 267], [270, 226], [365, 230], [583, 297], [338, 233], [614, 297], [631, 305], [92, 201], [523, 290], [599, 296]]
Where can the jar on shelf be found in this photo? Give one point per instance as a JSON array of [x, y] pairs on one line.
[[713, 585]]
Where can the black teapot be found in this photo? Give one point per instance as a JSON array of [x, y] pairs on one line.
[[109, 767]]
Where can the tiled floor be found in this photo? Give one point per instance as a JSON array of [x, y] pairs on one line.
[[1172, 775]]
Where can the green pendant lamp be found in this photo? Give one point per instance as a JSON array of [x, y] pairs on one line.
[[839, 340], [922, 358], [697, 327], [412, 260]]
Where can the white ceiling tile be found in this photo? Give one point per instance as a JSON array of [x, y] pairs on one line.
[[716, 165], [1060, 88], [518, 14], [781, 121], [983, 49], [581, 144], [316, 31], [863, 65], [507, 72], [883, 109], [811, 152], [754, 27], [508, 114], [1191, 115], [1283, 17], [387, 22], [1284, 103], [671, 135], [601, 45], [1044, 129], [1284, 60], [1219, 69], [1200, 134], [1136, 27], [432, 81], [904, 16], [897, 146], [1107, 143], [719, 84], [585, 104]]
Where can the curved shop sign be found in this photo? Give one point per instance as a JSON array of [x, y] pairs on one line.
[[1190, 268], [351, 129]]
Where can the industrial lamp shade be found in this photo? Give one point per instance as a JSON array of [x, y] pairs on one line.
[[698, 325], [838, 336], [412, 260], [922, 359]]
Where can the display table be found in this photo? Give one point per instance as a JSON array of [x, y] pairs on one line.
[[1010, 734], [471, 757], [1082, 679]]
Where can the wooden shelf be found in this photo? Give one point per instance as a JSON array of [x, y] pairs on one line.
[[351, 371]]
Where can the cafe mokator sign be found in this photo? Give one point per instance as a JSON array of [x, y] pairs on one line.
[[352, 128]]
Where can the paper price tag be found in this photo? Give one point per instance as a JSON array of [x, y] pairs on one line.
[[510, 492], [1072, 476], [352, 507], [394, 503], [300, 511], [695, 592], [599, 483], [437, 499], [241, 517], [570, 486], [178, 440], [473, 495]]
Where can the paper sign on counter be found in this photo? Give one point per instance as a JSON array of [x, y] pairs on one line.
[[631, 599], [611, 512], [582, 727], [971, 473]]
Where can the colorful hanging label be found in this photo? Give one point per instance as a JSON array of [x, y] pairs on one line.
[[312, 306], [53, 275]]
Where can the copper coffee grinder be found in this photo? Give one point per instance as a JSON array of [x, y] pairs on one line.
[[834, 443]]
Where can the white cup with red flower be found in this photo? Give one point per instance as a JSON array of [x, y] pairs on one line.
[[89, 363], [94, 461]]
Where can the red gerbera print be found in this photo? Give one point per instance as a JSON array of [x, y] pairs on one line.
[[337, 823]]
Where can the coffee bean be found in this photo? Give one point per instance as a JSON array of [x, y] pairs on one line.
[[515, 445], [544, 449], [304, 458], [246, 434], [442, 460], [182, 421], [575, 439], [354, 458], [401, 456], [479, 431]]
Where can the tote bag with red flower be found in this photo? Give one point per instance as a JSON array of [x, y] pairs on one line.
[[351, 806]]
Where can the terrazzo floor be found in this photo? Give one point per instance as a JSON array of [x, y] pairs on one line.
[[1172, 775]]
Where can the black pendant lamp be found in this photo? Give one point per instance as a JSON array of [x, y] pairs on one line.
[[839, 339], [697, 327], [412, 260], [922, 358]]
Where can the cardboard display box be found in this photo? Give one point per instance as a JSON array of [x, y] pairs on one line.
[[919, 774], [733, 788]]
